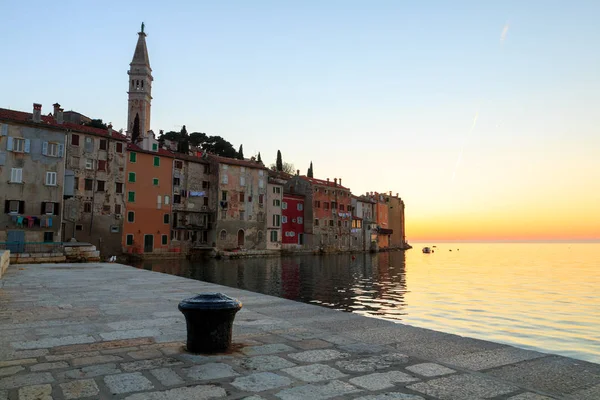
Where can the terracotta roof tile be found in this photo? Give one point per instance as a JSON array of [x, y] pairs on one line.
[[235, 161], [315, 181]]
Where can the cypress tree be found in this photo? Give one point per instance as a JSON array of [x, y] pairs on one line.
[[259, 159], [310, 171], [241, 152], [279, 163]]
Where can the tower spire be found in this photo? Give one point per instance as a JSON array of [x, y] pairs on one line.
[[140, 90]]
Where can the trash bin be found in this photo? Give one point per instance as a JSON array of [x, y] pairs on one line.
[[209, 319]]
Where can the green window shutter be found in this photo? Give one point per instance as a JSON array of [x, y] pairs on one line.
[[154, 147], [157, 161], [155, 181], [132, 157], [131, 197], [165, 239], [132, 177], [129, 240]]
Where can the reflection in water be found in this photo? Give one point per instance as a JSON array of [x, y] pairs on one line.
[[537, 296]]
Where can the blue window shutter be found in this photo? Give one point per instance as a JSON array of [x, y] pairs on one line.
[[9, 143], [61, 150], [45, 148], [27, 145], [4, 130]]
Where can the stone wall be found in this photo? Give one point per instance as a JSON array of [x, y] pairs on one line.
[[4, 261], [84, 252]]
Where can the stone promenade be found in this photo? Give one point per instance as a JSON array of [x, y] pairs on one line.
[[108, 331]]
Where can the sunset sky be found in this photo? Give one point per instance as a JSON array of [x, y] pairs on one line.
[[483, 116]]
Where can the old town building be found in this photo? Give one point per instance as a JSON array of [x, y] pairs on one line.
[[292, 221], [274, 211], [94, 187], [396, 221], [194, 202], [241, 190], [32, 170], [364, 227]]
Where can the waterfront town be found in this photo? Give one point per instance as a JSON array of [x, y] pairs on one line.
[[136, 193]]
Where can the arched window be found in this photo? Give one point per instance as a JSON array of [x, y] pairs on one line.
[[223, 234]]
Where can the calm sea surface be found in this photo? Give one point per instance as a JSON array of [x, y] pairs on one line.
[[538, 296]]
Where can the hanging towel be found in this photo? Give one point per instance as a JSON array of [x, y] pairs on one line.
[[19, 221], [49, 222]]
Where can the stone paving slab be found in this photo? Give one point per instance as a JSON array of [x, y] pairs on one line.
[[108, 331]]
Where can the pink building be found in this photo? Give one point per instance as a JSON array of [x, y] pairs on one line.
[[292, 221]]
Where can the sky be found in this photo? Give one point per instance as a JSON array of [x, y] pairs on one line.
[[483, 116]]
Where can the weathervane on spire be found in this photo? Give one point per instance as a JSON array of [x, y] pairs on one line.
[[142, 27]]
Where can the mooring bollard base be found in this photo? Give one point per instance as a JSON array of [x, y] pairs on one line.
[[209, 320]]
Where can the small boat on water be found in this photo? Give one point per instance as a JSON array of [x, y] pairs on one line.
[[426, 250]]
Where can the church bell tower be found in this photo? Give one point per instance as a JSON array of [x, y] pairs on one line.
[[140, 90]]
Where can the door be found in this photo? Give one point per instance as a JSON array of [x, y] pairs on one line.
[[16, 241], [240, 238], [148, 243]]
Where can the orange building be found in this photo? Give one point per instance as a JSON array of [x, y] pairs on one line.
[[384, 233], [148, 190]]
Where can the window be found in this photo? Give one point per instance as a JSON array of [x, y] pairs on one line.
[[205, 203], [89, 184], [154, 146], [50, 178], [166, 218], [48, 237], [132, 157], [276, 220], [114, 229], [14, 207], [18, 145], [103, 144], [242, 215], [284, 205], [89, 163], [224, 195], [74, 140], [158, 201], [76, 183], [284, 219], [326, 205], [276, 189], [330, 222], [78, 227], [273, 236], [339, 223], [242, 181], [119, 147], [178, 164], [100, 186], [87, 207], [167, 200], [131, 177], [165, 240], [316, 222], [334, 205], [176, 199], [277, 203], [157, 161], [155, 181], [89, 144], [118, 187], [317, 204], [206, 168], [223, 234], [342, 207], [242, 197], [50, 149], [101, 165], [261, 182], [176, 181], [224, 179], [261, 199], [131, 197], [118, 209], [300, 220], [130, 216], [129, 239], [16, 175], [345, 224], [205, 185]]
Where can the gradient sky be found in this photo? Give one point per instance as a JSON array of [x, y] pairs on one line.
[[483, 116]]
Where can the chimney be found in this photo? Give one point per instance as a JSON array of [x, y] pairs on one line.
[[340, 181], [110, 130], [397, 194], [59, 116], [327, 181], [56, 108], [37, 112], [390, 193], [367, 194], [335, 181]]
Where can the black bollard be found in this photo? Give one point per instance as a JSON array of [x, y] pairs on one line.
[[209, 319]]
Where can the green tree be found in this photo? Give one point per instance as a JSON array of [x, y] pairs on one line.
[[287, 168], [241, 152], [96, 123], [310, 171], [259, 159], [279, 162], [183, 142]]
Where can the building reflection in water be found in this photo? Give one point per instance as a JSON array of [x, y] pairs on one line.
[[370, 284]]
